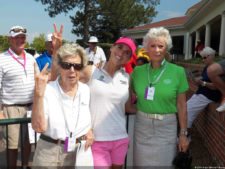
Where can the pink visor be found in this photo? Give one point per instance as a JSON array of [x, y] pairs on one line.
[[127, 41]]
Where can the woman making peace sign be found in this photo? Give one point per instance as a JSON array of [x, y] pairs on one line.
[[61, 109]]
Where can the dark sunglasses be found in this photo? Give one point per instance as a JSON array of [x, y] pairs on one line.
[[67, 66], [16, 30]]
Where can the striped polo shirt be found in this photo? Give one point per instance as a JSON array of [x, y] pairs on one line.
[[16, 80]]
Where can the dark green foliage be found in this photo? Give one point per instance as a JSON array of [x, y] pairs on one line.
[[39, 43], [103, 18], [4, 43], [117, 15]]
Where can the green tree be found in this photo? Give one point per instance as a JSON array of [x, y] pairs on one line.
[[84, 10], [39, 43], [117, 15], [84, 19], [4, 43], [103, 18]]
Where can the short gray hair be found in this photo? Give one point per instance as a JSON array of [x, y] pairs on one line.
[[207, 51], [155, 33], [72, 50]]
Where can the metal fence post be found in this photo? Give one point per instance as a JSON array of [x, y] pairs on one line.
[[7, 122]]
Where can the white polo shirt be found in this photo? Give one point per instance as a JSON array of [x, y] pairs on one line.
[[65, 114], [16, 80], [96, 57], [107, 105]]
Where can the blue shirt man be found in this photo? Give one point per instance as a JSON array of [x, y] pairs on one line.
[[46, 56], [43, 59]]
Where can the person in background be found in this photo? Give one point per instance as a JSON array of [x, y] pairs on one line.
[[46, 57], [61, 110], [142, 53], [16, 90], [216, 73], [206, 92], [142, 60], [95, 53], [109, 94], [160, 88], [199, 47]]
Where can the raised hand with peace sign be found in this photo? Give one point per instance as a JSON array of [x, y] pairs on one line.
[[57, 38], [56, 43]]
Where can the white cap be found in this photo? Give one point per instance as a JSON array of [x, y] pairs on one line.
[[93, 39], [48, 37], [17, 30]]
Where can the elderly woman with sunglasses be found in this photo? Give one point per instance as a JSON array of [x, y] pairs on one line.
[[206, 92], [109, 94], [160, 88], [61, 110]]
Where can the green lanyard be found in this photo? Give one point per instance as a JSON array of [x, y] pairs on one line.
[[164, 64]]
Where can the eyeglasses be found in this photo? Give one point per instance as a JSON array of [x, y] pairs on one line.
[[16, 30], [67, 66]]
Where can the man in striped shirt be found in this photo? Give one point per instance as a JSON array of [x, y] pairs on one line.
[[16, 89]]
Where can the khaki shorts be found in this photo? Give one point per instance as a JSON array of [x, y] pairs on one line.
[[14, 130], [48, 155]]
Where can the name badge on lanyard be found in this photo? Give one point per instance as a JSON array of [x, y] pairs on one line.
[[70, 143], [149, 93]]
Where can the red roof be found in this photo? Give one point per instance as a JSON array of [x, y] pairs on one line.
[[177, 21], [193, 8]]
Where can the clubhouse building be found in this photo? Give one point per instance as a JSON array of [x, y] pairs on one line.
[[204, 21]]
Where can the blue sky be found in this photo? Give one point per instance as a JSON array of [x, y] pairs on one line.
[[31, 14]]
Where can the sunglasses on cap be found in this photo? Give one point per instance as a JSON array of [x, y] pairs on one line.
[[16, 30], [67, 66]]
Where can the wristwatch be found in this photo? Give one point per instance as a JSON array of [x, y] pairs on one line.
[[183, 132]]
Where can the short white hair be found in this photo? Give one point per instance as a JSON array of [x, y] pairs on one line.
[[155, 33], [72, 50], [207, 51]]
